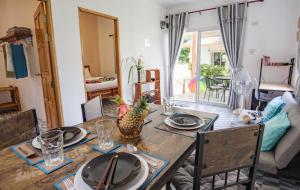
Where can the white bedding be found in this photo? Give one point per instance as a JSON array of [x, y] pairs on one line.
[[91, 87]]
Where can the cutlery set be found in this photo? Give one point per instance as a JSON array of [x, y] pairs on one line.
[[107, 177]]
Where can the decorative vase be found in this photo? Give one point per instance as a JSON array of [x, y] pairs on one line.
[[139, 76]]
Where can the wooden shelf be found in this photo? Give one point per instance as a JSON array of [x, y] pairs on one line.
[[8, 105], [276, 87], [148, 82], [15, 100], [156, 90]]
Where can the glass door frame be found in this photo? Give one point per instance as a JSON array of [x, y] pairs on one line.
[[198, 58]]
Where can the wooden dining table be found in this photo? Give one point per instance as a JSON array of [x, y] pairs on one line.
[[15, 174]]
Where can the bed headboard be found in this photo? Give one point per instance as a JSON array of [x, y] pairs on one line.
[[87, 67]]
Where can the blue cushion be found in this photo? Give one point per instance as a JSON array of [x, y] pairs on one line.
[[275, 128], [273, 108]]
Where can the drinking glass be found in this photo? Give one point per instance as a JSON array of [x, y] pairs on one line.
[[168, 105], [104, 129], [52, 147], [42, 127]]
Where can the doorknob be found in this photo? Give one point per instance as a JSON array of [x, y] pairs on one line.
[[38, 74]]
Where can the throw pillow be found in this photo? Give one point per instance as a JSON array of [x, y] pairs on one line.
[[275, 128], [273, 108]]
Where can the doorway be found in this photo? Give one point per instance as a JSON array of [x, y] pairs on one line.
[[48, 71], [204, 69], [99, 34], [37, 84]]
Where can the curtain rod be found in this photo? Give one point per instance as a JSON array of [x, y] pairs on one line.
[[213, 8]]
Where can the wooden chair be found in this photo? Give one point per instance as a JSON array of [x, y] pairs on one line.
[[220, 157], [17, 127], [92, 109]]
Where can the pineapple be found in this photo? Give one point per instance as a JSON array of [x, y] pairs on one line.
[[130, 122]]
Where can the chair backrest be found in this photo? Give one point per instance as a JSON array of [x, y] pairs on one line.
[[207, 82], [17, 127], [222, 151], [92, 109]]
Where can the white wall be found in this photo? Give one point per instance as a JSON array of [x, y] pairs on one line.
[[106, 47], [89, 42], [270, 30], [139, 20], [20, 13]]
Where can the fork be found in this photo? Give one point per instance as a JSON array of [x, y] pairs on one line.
[[69, 184]]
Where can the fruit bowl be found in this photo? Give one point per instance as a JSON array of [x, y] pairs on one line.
[[130, 131]]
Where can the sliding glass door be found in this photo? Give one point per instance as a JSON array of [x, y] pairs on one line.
[[185, 71], [202, 71]]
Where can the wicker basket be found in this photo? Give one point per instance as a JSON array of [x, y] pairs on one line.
[[131, 132]]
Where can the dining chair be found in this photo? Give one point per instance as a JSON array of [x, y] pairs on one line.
[[223, 159], [92, 109], [17, 127]]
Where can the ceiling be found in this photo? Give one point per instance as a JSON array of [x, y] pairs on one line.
[[168, 3], [171, 3]]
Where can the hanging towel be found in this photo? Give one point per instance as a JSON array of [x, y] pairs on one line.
[[29, 56], [9, 74], [10, 65], [19, 61]]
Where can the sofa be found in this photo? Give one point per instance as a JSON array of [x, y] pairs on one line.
[[284, 159]]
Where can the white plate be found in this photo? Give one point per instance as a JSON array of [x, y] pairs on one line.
[[35, 143], [170, 123], [133, 185]]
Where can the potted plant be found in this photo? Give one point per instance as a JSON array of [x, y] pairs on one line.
[[135, 64]]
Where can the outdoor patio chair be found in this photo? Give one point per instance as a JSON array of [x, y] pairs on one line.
[[223, 158], [211, 87]]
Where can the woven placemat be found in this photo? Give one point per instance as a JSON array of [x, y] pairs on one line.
[[188, 133]]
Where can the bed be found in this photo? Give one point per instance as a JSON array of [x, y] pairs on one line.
[[96, 86]]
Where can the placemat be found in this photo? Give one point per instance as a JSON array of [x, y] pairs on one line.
[[60, 184], [33, 156], [105, 151], [90, 136], [26, 153], [156, 165], [47, 169], [188, 133]]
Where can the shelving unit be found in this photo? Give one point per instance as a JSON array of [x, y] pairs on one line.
[[14, 104], [274, 86], [15, 34], [269, 90], [149, 80]]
